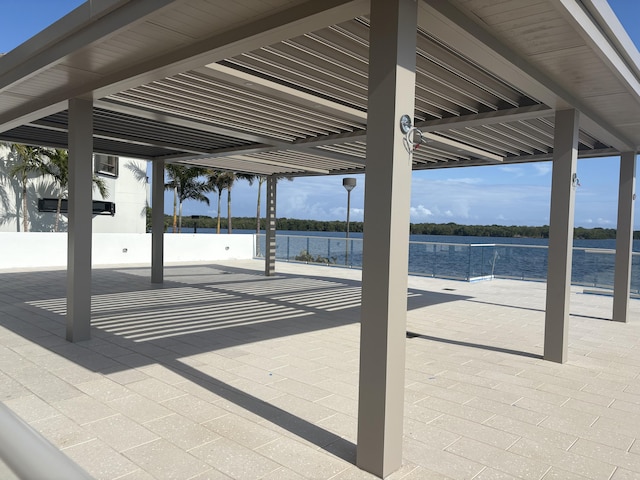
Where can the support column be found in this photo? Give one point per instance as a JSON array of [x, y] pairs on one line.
[[563, 185], [270, 233], [392, 57], [80, 217], [624, 237], [157, 222]]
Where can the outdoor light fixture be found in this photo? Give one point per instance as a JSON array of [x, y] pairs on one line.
[[349, 184]]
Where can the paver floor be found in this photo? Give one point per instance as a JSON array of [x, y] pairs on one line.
[[223, 373]]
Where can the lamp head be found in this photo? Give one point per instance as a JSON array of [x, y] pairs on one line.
[[349, 183]]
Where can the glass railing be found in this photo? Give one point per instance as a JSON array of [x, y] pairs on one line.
[[314, 249], [470, 262]]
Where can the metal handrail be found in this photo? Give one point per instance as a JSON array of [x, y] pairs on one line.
[[29, 455]]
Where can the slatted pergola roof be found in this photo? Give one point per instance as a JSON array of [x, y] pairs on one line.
[[280, 87]]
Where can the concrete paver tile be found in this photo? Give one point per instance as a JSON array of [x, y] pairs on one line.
[[155, 389], [245, 432], [499, 459], [532, 432], [480, 432], [555, 473], [622, 474], [139, 408], [630, 427], [100, 460], [302, 458], [428, 434], [234, 460], [340, 424], [512, 411], [194, 408], [492, 474], [565, 460], [103, 389], [610, 455], [164, 460], [445, 463], [120, 432], [62, 431], [181, 431], [593, 433]]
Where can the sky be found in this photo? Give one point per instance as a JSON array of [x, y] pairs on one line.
[[496, 194]]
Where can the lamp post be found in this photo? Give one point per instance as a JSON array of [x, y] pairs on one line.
[[349, 184]]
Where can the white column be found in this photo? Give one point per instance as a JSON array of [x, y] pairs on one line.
[[392, 57], [270, 233], [157, 222], [563, 185], [624, 237], [80, 218]]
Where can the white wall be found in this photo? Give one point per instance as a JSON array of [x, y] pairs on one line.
[[128, 191], [46, 249]]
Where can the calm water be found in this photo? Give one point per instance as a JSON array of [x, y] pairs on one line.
[[459, 257]]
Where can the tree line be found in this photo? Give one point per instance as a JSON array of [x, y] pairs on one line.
[[450, 229]]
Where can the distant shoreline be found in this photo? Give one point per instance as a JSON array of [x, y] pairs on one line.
[[450, 229]]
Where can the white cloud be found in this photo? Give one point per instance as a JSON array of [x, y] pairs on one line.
[[466, 181], [518, 171], [420, 213], [542, 168]]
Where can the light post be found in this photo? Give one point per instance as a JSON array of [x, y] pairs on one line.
[[349, 184]]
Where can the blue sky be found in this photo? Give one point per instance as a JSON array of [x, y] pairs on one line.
[[506, 195]]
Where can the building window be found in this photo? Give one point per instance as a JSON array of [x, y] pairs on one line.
[[107, 165]]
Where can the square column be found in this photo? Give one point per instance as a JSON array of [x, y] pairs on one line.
[[624, 237], [270, 236], [563, 192], [157, 222], [392, 60], [80, 218]]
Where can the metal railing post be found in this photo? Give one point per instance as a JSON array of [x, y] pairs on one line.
[[29, 455]]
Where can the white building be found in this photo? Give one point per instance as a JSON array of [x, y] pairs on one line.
[[126, 182]]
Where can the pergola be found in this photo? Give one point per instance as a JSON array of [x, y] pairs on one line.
[[303, 87]]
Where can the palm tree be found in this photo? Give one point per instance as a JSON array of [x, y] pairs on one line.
[[218, 181], [57, 165], [232, 178], [185, 185], [29, 160]]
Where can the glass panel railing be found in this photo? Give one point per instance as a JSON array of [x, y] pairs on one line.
[[442, 260], [471, 262], [520, 262], [635, 273], [593, 267], [313, 249]]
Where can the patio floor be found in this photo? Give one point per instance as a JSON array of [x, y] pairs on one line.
[[224, 373]]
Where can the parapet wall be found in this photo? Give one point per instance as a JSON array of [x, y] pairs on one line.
[[41, 249]]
